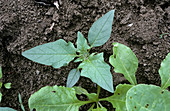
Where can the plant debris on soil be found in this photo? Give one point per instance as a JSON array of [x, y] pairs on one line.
[[25, 24]]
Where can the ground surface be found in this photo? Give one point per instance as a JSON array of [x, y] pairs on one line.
[[25, 24]]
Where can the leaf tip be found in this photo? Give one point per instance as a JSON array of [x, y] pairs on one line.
[[113, 11]]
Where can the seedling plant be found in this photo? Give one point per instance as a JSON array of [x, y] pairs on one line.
[[127, 97], [11, 109], [6, 85], [60, 53]]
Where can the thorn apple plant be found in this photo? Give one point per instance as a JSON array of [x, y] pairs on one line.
[[126, 97]]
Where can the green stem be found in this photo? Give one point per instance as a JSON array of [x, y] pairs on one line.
[[86, 102], [89, 49], [100, 104], [98, 91], [97, 106], [91, 107], [79, 55], [103, 99]]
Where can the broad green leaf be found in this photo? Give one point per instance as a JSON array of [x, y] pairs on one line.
[[118, 100], [6, 109], [82, 45], [73, 77], [80, 90], [100, 109], [56, 98], [92, 96], [98, 71], [124, 61], [7, 85], [0, 72], [147, 98], [0, 96], [100, 31], [57, 54], [164, 72]]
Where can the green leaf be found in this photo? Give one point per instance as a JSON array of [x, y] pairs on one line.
[[92, 97], [6, 109], [22, 107], [57, 54], [124, 61], [82, 45], [79, 60], [56, 98], [100, 31], [147, 98], [20, 101], [7, 85], [98, 71], [164, 72], [100, 109], [0, 72], [118, 100], [0, 96], [73, 77], [80, 90]]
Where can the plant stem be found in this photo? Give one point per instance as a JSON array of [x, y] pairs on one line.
[[91, 107], [79, 55], [100, 104], [98, 91], [86, 102], [103, 99], [89, 49]]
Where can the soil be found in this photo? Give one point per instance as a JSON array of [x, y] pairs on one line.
[[25, 24]]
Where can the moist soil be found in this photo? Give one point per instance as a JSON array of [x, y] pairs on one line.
[[25, 24]]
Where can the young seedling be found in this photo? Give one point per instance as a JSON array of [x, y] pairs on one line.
[[140, 97], [60, 53], [127, 97], [6, 85], [11, 109], [20, 101]]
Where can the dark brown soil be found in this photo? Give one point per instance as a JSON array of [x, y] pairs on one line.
[[25, 24]]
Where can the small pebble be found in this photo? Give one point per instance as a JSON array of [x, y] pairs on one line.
[[142, 9], [37, 72]]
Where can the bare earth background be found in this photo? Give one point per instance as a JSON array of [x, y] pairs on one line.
[[25, 24]]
